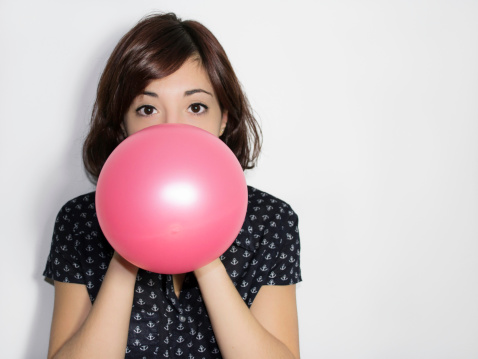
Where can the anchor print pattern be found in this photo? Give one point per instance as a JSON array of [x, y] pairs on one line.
[[265, 252]]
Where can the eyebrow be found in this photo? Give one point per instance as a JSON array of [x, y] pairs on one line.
[[148, 93], [191, 92], [186, 93]]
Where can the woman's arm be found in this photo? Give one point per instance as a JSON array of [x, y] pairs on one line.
[[268, 330], [82, 330]]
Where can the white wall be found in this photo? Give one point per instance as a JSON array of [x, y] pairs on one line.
[[370, 115]]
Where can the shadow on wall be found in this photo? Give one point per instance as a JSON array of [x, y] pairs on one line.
[[66, 181]]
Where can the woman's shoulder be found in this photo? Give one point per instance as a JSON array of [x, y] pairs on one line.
[[79, 204], [263, 202], [81, 201], [268, 219], [78, 210]]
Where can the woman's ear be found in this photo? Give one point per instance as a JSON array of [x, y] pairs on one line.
[[223, 122]]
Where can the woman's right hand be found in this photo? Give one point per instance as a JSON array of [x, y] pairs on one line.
[[128, 266]]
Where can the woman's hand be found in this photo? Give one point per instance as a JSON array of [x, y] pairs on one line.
[[123, 263], [211, 266]]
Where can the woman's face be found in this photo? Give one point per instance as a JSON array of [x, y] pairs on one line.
[[184, 97]]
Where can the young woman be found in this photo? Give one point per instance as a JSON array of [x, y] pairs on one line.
[[241, 305]]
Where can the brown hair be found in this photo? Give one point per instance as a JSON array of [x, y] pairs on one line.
[[155, 48]]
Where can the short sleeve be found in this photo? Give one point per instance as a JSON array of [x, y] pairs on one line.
[[63, 263], [286, 269]]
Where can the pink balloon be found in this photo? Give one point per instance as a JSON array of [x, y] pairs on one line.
[[171, 198]]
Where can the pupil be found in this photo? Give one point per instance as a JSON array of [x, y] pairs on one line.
[[195, 108]]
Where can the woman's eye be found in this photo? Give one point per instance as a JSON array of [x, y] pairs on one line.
[[197, 108], [146, 110]]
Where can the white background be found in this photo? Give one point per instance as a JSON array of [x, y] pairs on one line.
[[370, 119]]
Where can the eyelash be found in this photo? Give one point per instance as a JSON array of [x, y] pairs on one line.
[[200, 105], [142, 108]]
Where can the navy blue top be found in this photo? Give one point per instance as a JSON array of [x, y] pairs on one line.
[[265, 252]]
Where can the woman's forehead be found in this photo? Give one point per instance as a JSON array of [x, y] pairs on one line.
[[190, 78]]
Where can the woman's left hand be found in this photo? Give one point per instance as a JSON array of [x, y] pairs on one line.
[[215, 264]]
